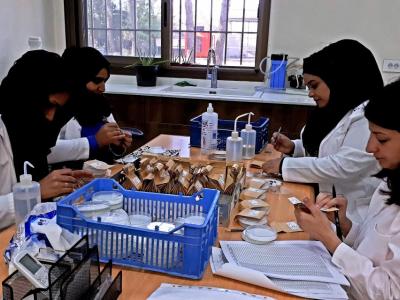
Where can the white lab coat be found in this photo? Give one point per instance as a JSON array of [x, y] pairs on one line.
[[342, 161], [7, 179], [370, 255], [70, 145]]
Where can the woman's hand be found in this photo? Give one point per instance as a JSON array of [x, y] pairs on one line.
[[57, 183], [272, 166], [282, 143], [127, 140], [109, 133], [317, 225], [325, 200]]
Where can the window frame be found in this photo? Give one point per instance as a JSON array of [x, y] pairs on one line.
[[75, 33]]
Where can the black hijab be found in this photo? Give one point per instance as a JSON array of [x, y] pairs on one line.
[[350, 71], [24, 97], [83, 65], [383, 110]]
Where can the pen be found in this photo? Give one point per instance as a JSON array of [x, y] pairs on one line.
[[337, 223], [277, 136]]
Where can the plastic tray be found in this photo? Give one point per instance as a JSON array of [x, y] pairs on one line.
[[225, 128], [171, 252]]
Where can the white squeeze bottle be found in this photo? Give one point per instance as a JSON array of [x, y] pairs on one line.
[[209, 130], [26, 195], [248, 134], [234, 144]]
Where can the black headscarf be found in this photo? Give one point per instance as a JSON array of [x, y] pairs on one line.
[[383, 110], [24, 97], [83, 64], [350, 71]]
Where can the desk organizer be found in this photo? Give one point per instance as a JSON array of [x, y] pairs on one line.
[[225, 128], [184, 251], [76, 275]]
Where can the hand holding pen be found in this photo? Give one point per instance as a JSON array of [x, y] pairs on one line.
[[281, 142]]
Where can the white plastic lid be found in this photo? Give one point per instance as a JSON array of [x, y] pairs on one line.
[[25, 179], [249, 127], [235, 134], [210, 108]]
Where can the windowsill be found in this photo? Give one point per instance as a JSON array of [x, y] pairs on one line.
[[240, 91]]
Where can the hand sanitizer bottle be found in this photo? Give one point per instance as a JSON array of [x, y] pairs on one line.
[[248, 134], [26, 195], [209, 130]]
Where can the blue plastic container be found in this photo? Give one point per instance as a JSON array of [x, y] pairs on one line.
[[182, 253], [277, 73], [225, 128]]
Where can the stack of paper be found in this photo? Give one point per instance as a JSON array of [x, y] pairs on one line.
[[301, 268]]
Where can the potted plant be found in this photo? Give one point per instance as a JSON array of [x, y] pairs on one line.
[[183, 59], [146, 69]]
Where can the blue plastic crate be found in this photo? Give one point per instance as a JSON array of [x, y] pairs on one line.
[[225, 128], [182, 254]]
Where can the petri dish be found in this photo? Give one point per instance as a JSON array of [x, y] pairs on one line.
[[161, 226], [156, 150], [139, 220], [259, 234], [114, 199], [91, 210]]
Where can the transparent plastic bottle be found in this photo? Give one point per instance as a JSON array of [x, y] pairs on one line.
[[209, 130], [234, 148], [26, 195], [248, 134]]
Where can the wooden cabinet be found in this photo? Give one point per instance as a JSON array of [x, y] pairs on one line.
[[158, 115]]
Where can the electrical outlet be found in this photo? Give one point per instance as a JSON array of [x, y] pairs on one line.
[[391, 65]]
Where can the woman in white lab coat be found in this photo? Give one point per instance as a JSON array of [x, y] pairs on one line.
[[370, 253], [341, 78], [28, 127], [93, 129]]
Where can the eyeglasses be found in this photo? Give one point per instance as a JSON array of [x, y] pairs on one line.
[[98, 80]]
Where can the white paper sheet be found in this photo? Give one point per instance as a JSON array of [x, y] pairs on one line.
[[307, 289], [184, 292], [292, 260]]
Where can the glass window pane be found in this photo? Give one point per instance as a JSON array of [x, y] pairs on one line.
[[249, 49], [128, 10], [251, 20], [89, 13], [113, 42], [175, 53], [113, 14], [220, 15], [155, 21], [155, 43], [203, 15], [90, 37], [99, 40], [142, 14], [235, 16], [202, 46], [176, 14], [128, 43], [187, 46], [233, 49], [99, 17], [188, 13], [218, 43], [142, 43]]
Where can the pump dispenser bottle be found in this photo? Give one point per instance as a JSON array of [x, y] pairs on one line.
[[248, 135], [26, 195], [234, 144], [209, 130]]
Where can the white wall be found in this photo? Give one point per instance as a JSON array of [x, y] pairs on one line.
[[20, 19], [300, 27]]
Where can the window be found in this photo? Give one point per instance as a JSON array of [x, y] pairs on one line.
[[178, 30], [228, 26]]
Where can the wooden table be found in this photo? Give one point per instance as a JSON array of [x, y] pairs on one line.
[[139, 284]]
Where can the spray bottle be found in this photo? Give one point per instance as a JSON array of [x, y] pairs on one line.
[[248, 134], [26, 194], [234, 144], [209, 130]]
